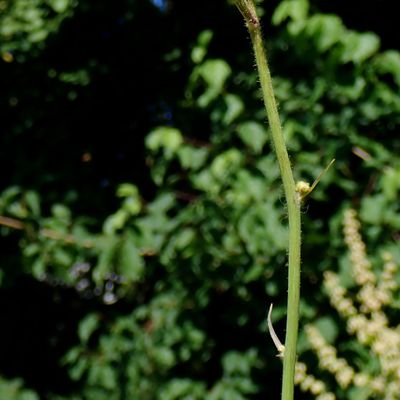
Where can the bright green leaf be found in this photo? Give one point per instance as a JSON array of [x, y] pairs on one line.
[[325, 30], [234, 107], [389, 62], [192, 158], [60, 6], [391, 183], [87, 326], [328, 328], [132, 264], [115, 222], [253, 134], [164, 138], [103, 375], [296, 10], [33, 201], [357, 47], [373, 209], [214, 74], [226, 163], [108, 246], [61, 212]]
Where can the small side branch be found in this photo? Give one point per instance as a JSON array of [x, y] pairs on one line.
[[47, 233], [59, 236], [11, 223]]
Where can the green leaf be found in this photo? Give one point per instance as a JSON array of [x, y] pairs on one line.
[[28, 395], [254, 273], [62, 257], [389, 62], [345, 272], [205, 181], [328, 328], [391, 183], [234, 107], [296, 10], [184, 238], [8, 196], [205, 37], [87, 326], [236, 363], [108, 246], [353, 91], [132, 265], [268, 166], [71, 356], [200, 50], [77, 370], [253, 134], [373, 209], [214, 73], [261, 229], [61, 212], [249, 186], [183, 389], [127, 190], [226, 163], [102, 375], [162, 203], [38, 268], [192, 158], [164, 356], [33, 201], [164, 138], [59, 6], [325, 30], [38, 36], [357, 47], [115, 222], [17, 209], [132, 203], [359, 393], [13, 389], [197, 54]]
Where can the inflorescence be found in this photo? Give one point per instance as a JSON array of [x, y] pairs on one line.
[[366, 320]]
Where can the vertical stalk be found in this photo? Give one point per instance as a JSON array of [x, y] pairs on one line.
[[248, 10]]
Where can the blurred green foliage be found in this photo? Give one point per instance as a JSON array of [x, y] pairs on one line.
[[12, 390], [26, 24], [169, 279]]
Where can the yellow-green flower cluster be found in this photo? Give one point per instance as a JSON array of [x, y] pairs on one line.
[[365, 319], [308, 383], [328, 359], [361, 266]]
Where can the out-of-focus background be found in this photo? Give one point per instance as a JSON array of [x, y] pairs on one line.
[[142, 222]]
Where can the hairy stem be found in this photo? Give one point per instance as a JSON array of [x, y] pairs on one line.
[[247, 8]]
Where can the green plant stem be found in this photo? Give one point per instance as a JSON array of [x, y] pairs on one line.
[[248, 10]]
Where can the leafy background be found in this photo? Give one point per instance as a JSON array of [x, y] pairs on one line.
[[143, 229]]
